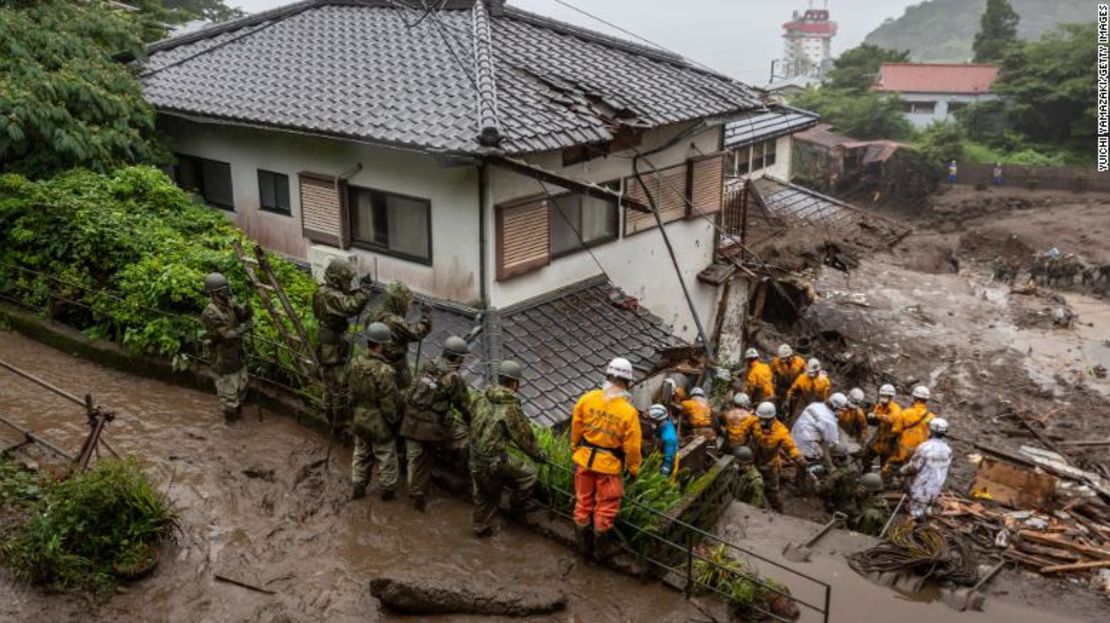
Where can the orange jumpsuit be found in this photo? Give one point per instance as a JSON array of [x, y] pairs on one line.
[[912, 429], [699, 416], [785, 371], [767, 448], [853, 421], [605, 432], [737, 423], [807, 389], [884, 443], [760, 382]]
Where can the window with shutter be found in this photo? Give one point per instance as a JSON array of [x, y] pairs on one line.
[[523, 238], [706, 185], [667, 188], [321, 209]]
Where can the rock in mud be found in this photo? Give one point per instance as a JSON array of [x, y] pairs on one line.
[[412, 594]]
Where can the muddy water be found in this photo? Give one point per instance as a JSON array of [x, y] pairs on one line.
[[1074, 355], [253, 508]]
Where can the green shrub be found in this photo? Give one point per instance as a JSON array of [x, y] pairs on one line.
[[715, 571], [80, 527]]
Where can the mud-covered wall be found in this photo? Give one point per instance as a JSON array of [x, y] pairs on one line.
[[730, 348]]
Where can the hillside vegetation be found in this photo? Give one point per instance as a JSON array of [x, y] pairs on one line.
[[943, 30]]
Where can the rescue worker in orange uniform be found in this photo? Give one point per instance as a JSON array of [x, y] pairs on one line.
[[811, 386], [605, 434], [883, 442], [759, 381], [852, 419], [737, 421], [769, 441], [786, 367], [698, 414], [911, 428]]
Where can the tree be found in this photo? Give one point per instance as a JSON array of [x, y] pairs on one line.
[[997, 32], [64, 101], [867, 115], [857, 68], [941, 142], [156, 15]]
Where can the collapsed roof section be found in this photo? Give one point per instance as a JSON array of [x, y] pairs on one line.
[[387, 72]]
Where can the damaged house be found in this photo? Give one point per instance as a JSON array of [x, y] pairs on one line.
[[494, 160]]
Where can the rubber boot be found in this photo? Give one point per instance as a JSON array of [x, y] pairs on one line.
[[420, 503], [359, 492], [606, 545], [230, 415], [584, 540], [387, 495]]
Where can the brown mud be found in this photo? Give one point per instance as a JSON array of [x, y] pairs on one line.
[[256, 506]]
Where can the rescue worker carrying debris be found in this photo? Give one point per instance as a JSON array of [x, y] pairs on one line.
[[498, 424], [225, 322], [605, 435], [815, 430], [873, 509], [929, 468], [883, 442], [770, 441], [852, 418], [668, 436], [749, 486], [429, 423], [812, 386], [786, 367], [698, 414], [333, 304], [912, 427], [737, 422], [398, 299], [377, 407], [838, 491], [759, 381]]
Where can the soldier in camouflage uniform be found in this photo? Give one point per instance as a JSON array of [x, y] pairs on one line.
[[377, 402], [437, 392], [749, 486], [225, 322], [839, 489], [499, 421], [333, 304], [398, 299], [874, 512]]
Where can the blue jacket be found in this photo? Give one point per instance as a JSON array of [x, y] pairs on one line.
[[669, 436]]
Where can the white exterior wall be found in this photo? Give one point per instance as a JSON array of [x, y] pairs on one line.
[[638, 264], [920, 121], [453, 192]]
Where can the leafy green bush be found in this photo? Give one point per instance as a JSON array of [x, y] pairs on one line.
[[717, 572], [82, 530], [123, 257]]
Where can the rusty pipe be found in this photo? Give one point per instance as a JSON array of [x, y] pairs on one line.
[[34, 379], [35, 437]]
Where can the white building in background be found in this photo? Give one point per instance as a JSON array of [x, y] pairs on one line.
[[807, 49], [934, 92]]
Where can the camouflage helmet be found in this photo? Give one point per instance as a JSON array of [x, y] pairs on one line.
[[743, 454], [398, 297], [215, 282], [339, 274], [457, 346], [510, 369], [871, 481], [378, 333], [838, 451]]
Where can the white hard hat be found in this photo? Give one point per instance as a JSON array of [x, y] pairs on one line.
[[887, 390], [751, 353], [657, 412], [765, 410], [856, 395], [938, 425], [921, 392], [838, 400], [785, 351], [620, 368], [813, 366], [742, 400], [697, 391]]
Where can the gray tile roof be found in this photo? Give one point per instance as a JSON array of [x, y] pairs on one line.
[[759, 126], [374, 71], [803, 206]]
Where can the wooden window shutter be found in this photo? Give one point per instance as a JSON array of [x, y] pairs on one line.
[[523, 238], [321, 209], [706, 185], [667, 188]]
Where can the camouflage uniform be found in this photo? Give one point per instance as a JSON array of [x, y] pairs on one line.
[[224, 328], [392, 314], [873, 514], [499, 421], [333, 304], [429, 420], [377, 403], [749, 487], [839, 489]]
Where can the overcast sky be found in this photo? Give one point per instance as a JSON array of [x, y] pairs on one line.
[[737, 37]]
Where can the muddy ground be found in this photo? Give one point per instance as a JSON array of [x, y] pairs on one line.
[[253, 507]]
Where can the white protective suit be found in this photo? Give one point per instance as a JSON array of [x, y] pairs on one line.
[[929, 464], [815, 427]]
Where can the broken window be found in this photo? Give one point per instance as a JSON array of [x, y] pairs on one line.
[[210, 179], [390, 223]]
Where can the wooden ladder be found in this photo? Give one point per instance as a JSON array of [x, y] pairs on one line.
[[289, 326]]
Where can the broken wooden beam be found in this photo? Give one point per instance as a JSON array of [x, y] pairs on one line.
[[528, 169], [1050, 552], [1053, 541], [465, 594], [1079, 566]]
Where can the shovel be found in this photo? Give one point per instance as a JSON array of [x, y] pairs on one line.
[[962, 599], [801, 553]]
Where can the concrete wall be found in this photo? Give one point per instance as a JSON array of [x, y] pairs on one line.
[[941, 110], [453, 192], [638, 264]]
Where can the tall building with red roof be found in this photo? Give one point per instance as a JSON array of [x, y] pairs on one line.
[[808, 43]]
